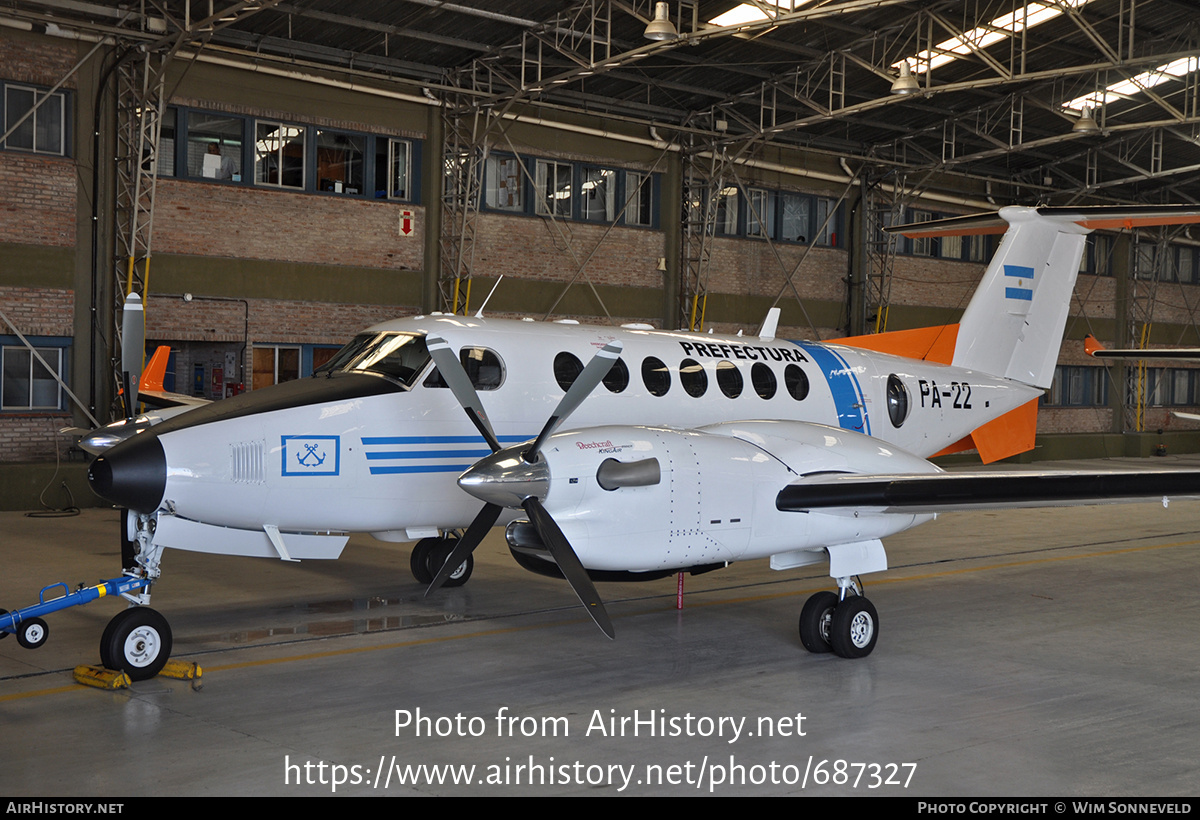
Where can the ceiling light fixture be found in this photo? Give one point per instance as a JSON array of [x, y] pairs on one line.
[[906, 83], [660, 27], [1086, 124]]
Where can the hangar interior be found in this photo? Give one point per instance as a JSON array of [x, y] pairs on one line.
[[274, 176]]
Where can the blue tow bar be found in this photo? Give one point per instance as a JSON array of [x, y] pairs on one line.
[[27, 623]]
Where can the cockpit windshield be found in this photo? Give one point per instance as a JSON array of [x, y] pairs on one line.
[[399, 356]]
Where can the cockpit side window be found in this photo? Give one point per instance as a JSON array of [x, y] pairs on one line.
[[398, 356], [484, 369]]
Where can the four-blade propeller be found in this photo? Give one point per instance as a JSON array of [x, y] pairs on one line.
[[518, 476]]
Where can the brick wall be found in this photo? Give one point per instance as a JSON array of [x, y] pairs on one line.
[[208, 219], [270, 320]]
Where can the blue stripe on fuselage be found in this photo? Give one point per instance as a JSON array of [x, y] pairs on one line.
[[843, 386], [421, 451]]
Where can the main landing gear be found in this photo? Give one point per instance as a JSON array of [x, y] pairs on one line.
[[847, 625], [428, 556]]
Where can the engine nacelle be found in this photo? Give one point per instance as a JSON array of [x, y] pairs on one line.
[[649, 499]]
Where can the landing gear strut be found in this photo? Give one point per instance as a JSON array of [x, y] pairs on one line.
[[848, 626], [429, 554]]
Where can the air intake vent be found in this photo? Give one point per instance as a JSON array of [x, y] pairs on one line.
[[246, 462]]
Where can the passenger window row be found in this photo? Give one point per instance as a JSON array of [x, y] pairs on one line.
[[693, 377]]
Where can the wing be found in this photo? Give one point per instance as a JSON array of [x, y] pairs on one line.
[[945, 492]]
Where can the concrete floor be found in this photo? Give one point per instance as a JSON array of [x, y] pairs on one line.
[[1040, 652]]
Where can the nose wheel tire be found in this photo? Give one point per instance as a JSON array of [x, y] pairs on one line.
[[854, 628], [815, 619], [418, 562], [438, 555], [136, 641], [32, 633]]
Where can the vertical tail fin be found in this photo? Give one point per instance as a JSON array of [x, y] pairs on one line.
[[1014, 323]]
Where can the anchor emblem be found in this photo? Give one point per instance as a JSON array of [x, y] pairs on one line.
[[311, 451]]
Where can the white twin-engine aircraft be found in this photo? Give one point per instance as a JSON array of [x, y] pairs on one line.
[[684, 452]]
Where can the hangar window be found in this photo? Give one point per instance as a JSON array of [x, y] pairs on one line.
[[598, 194], [553, 182], [964, 248], [38, 120], [567, 368], [393, 159], [214, 146], [797, 212], [796, 382], [727, 211], [1078, 386], [1185, 263], [763, 380], [693, 378], [897, 400], [729, 379], [760, 214], [639, 199], [617, 378], [26, 383], [505, 184], [279, 154], [274, 365], [655, 376], [340, 162]]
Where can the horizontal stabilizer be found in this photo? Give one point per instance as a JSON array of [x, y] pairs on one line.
[[945, 492], [1094, 349], [1100, 217]]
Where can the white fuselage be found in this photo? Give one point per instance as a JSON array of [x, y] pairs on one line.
[[387, 464]]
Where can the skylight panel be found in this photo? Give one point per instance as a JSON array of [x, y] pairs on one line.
[[750, 13], [1174, 70], [1003, 27]]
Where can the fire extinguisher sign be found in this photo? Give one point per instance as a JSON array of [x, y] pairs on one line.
[[406, 223]]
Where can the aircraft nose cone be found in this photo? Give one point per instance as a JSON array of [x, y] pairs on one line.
[[132, 474], [506, 479]]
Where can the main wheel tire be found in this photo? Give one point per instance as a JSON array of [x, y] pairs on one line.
[[814, 621], [418, 562], [137, 641], [32, 633], [438, 556], [854, 628]]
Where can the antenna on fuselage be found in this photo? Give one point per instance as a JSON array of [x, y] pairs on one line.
[[479, 313], [767, 333]]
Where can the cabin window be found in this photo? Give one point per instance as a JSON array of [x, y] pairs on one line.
[[693, 378], [729, 379], [484, 368], [567, 368], [617, 378], [763, 380], [897, 400], [796, 382], [655, 376]]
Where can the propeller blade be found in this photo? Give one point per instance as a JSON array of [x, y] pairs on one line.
[[466, 545], [569, 563], [133, 347], [582, 387], [460, 385]]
